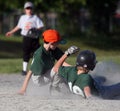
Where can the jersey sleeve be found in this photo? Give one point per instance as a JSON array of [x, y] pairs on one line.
[[86, 81], [20, 22], [35, 64], [39, 22], [42, 61]]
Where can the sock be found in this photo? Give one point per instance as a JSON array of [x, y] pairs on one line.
[[25, 66]]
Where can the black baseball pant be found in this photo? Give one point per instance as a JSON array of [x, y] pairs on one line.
[[30, 45]]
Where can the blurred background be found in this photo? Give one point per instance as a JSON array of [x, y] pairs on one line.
[[68, 16], [89, 24]]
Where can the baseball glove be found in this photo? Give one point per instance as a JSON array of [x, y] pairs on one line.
[[33, 33], [72, 50]]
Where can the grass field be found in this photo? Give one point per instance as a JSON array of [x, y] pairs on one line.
[[11, 50]]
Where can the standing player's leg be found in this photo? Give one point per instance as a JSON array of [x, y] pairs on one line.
[[34, 45], [26, 54]]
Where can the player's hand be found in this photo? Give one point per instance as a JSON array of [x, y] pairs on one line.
[[8, 34], [93, 97], [21, 92], [72, 50]]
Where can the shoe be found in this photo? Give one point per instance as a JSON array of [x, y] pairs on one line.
[[24, 73]]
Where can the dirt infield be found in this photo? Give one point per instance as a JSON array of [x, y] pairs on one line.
[[11, 101]]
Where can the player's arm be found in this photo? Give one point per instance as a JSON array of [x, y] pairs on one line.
[[12, 31], [25, 83], [40, 28], [66, 64], [61, 61], [87, 92], [40, 24]]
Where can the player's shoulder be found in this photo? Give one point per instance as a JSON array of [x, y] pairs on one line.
[[35, 16], [70, 69], [38, 52], [41, 49], [23, 16], [86, 77]]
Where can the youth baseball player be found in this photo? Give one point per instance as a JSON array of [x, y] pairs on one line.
[[43, 61], [79, 80], [30, 25]]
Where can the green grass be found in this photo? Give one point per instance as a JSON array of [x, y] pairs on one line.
[[105, 49], [11, 47], [10, 65], [15, 65]]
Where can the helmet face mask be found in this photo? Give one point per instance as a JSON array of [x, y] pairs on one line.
[[86, 59]]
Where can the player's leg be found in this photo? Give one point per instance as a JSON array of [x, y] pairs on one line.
[[34, 45], [112, 91], [37, 79], [58, 85], [55, 79], [42, 79], [26, 54]]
